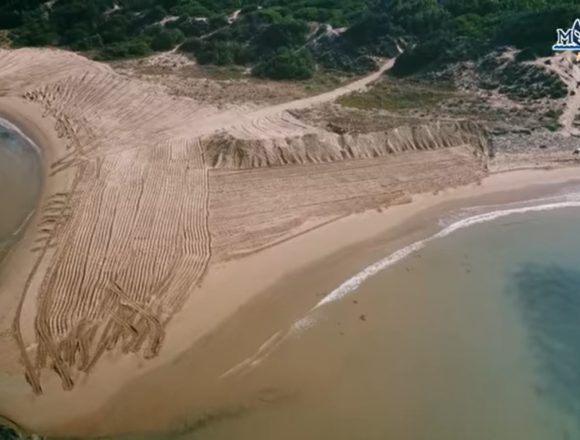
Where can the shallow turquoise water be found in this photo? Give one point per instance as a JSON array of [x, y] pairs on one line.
[[476, 336]]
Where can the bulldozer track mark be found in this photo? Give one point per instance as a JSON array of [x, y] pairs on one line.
[[163, 185], [117, 267]]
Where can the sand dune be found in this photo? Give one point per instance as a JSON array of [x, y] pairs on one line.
[[163, 186]]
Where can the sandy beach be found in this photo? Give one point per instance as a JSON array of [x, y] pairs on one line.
[[223, 258], [298, 272], [266, 293]]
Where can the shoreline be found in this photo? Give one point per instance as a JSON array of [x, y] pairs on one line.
[[290, 276], [17, 233], [267, 306], [285, 295], [21, 262]]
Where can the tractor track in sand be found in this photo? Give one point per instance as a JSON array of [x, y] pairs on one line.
[[121, 250]]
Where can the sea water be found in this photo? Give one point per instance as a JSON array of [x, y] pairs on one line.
[[20, 177], [473, 334]]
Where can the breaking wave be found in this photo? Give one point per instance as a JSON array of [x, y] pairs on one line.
[[471, 216], [9, 126], [567, 201]]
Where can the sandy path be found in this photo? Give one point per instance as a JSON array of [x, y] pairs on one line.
[[332, 95], [227, 120], [569, 71]]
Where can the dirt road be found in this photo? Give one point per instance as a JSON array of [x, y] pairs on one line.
[[569, 71], [226, 120]]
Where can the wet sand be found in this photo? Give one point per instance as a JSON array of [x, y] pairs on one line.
[[20, 261], [430, 349], [20, 177], [265, 292], [192, 387]]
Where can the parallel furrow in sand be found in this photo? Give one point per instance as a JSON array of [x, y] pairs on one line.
[[69, 262], [148, 274], [77, 290], [143, 261], [91, 200], [61, 309], [198, 247], [44, 295]]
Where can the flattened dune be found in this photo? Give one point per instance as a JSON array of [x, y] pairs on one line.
[[145, 191]]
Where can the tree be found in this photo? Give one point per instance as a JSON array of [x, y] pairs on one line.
[[287, 65], [129, 49], [288, 33], [167, 39], [35, 31]]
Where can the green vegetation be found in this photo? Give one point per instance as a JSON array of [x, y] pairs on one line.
[[287, 65], [469, 29], [289, 39], [8, 433], [399, 96], [519, 81], [269, 34]]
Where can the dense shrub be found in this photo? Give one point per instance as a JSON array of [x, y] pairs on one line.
[[523, 29], [284, 38], [129, 49], [166, 39], [286, 65], [287, 33]]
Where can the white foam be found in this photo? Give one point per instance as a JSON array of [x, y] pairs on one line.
[[251, 362], [350, 285], [354, 282], [10, 126]]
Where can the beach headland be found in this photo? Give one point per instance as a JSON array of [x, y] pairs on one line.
[[143, 249]]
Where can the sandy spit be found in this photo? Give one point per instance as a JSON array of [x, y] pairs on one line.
[[310, 264], [267, 292]]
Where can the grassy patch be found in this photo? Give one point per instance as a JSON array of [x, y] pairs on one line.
[[398, 96], [223, 73], [324, 81]]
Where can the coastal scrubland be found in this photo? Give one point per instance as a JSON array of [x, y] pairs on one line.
[[291, 39]]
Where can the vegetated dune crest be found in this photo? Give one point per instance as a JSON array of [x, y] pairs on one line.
[[162, 187]]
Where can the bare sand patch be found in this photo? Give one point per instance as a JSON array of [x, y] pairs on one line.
[[258, 296]]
